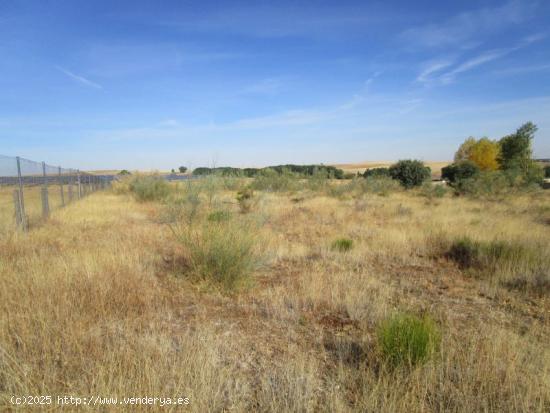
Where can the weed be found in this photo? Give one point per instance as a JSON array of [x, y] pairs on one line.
[[408, 340], [342, 245], [149, 188]]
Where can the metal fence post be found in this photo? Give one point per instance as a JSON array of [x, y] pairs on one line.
[[61, 187], [79, 184], [21, 199], [45, 201], [17, 204]]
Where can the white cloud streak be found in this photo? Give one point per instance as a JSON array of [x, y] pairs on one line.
[[80, 79]]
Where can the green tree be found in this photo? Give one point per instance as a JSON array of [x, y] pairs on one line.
[[515, 149], [463, 152], [410, 172], [182, 169]]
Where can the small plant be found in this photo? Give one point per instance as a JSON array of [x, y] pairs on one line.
[[219, 216], [220, 252], [342, 245], [410, 173], [245, 198], [149, 188], [431, 191], [407, 340]]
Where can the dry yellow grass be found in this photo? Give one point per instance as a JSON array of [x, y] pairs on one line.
[[96, 302]]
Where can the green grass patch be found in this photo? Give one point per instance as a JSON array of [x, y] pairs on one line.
[[342, 245], [407, 340]]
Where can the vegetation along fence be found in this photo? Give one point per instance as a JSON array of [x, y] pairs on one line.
[[30, 190]]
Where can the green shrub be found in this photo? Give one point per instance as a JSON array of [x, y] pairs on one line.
[[430, 190], [459, 171], [342, 245], [376, 172], [245, 198], [219, 216], [149, 188], [410, 173], [407, 340], [221, 252], [380, 185], [272, 181], [547, 171]]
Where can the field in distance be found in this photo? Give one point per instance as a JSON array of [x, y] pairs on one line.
[[362, 166]]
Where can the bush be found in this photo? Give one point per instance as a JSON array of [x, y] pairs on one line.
[[245, 198], [410, 173], [273, 181], [459, 171], [376, 172], [514, 263], [498, 183], [219, 216], [405, 339], [430, 190], [547, 171], [380, 185], [342, 245], [149, 188], [220, 252]]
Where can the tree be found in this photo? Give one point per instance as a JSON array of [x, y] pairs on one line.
[[124, 172], [182, 169], [484, 153], [376, 172], [459, 171], [463, 153], [410, 172], [515, 149]]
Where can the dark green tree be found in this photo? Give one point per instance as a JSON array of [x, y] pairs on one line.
[[410, 172], [515, 149], [182, 169]]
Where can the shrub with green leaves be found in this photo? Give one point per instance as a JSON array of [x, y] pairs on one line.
[[547, 171], [224, 253], [459, 171], [271, 180], [380, 185], [245, 198], [149, 188], [410, 173], [342, 245], [430, 190], [376, 172], [407, 340]]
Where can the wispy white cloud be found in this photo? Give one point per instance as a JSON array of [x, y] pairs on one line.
[[80, 79], [464, 29], [432, 68], [432, 73]]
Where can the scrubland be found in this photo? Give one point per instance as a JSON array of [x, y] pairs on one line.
[[279, 296]]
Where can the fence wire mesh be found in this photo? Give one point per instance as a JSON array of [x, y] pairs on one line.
[[30, 190]]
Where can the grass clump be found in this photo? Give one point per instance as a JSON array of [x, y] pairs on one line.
[[219, 216], [407, 340], [224, 253], [149, 188], [516, 264], [342, 245]]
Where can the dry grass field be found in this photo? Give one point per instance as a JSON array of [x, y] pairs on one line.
[[361, 167], [107, 298]]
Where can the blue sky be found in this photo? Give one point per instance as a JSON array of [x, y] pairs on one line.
[[153, 85]]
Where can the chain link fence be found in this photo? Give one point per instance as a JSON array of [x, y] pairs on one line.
[[30, 190]]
